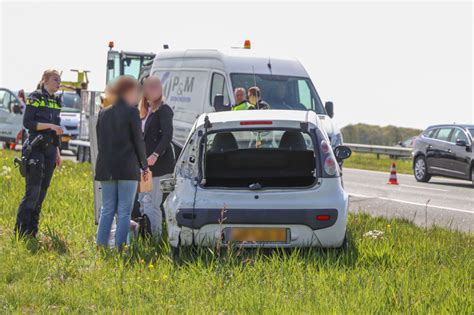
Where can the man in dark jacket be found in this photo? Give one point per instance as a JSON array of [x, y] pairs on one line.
[[255, 98]]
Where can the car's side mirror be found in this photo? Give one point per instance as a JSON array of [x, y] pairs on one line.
[[461, 143], [218, 103], [329, 109], [167, 185], [342, 152]]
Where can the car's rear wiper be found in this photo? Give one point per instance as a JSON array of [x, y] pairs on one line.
[[255, 186]]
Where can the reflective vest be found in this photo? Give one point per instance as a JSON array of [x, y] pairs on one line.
[[243, 106], [42, 108]]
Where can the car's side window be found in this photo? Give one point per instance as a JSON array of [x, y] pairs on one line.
[[444, 134], [218, 87], [430, 133], [458, 134]]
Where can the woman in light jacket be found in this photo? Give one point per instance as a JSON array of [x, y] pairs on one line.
[[157, 127], [121, 155]]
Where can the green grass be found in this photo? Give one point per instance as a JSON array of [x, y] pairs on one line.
[[368, 161], [408, 270]]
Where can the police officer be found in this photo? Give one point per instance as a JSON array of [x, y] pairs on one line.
[[41, 118], [240, 102], [255, 98]]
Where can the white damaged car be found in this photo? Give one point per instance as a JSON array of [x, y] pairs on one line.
[[257, 179]]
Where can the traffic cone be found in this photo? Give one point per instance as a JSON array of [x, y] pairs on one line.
[[393, 175], [12, 146]]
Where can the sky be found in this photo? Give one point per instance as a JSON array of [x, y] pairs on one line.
[[401, 63]]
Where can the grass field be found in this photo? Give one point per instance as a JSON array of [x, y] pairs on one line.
[[406, 270], [368, 161]]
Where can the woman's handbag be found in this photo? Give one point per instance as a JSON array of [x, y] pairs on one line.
[[146, 186]]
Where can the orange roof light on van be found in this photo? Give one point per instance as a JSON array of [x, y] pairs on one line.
[[247, 44]]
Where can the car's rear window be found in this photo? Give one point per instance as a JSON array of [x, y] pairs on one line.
[[259, 158], [471, 131], [259, 139]]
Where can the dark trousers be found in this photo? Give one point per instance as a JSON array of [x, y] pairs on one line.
[[38, 178]]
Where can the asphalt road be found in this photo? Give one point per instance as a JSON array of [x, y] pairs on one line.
[[442, 201]]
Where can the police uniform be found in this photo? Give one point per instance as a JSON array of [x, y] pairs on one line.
[[41, 107], [244, 105]]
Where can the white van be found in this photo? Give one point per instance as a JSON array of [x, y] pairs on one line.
[[192, 79]]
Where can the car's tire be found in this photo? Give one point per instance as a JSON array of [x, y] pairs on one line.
[[472, 175], [175, 253], [420, 169], [345, 244]]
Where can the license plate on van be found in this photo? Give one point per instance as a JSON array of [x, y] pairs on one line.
[[259, 235]]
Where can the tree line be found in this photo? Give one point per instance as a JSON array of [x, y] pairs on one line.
[[377, 135]]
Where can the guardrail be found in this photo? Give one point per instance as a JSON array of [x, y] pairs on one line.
[[396, 152]]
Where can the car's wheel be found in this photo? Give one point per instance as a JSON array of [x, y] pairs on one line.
[[420, 169], [345, 244], [472, 175], [175, 253]]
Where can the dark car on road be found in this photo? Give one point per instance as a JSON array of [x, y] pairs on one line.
[[444, 150]]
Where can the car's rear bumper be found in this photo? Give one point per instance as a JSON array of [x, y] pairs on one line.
[[304, 230], [313, 218]]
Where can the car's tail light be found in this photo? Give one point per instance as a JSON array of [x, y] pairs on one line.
[[323, 217], [330, 166], [256, 122], [325, 147]]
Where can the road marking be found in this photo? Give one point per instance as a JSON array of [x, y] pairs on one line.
[[439, 179], [394, 186], [427, 188], [412, 203], [387, 173]]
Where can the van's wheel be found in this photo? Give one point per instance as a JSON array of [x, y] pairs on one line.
[[80, 154], [420, 169], [87, 154]]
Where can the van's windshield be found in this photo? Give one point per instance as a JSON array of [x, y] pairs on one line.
[[259, 159], [281, 92]]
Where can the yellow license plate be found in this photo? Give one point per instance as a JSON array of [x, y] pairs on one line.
[[65, 138], [258, 234]]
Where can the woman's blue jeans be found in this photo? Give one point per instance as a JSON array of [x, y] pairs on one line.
[[118, 197]]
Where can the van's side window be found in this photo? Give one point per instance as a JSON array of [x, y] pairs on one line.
[[218, 87], [304, 94]]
